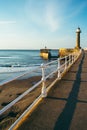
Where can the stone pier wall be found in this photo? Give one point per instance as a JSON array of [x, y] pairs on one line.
[[66, 51]]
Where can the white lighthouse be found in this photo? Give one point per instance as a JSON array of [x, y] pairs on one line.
[[78, 31]]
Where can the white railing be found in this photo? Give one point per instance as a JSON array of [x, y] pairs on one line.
[[54, 68]]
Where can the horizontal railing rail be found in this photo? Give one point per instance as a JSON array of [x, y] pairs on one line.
[[57, 67]]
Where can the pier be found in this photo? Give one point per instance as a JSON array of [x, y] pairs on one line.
[[65, 107], [49, 53]]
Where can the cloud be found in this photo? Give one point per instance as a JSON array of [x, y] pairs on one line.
[[7, 22], [43, 14], [51, 18]]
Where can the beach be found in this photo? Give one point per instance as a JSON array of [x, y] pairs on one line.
[[12, 90]]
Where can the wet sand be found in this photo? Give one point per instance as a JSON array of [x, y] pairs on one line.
[[12, 90]]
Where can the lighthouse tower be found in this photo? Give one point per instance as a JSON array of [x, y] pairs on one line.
[[78, 31]]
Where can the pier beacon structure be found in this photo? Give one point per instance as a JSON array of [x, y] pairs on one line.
[[78, 31]]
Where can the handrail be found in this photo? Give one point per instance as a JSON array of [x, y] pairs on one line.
[[61, 68], [19, 98], [25, 112]]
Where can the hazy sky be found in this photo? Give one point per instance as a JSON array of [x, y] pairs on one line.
[[34, 24]]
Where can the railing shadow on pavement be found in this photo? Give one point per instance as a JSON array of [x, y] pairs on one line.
[[63, 122]]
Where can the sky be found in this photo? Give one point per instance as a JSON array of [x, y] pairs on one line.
[[34, 24]]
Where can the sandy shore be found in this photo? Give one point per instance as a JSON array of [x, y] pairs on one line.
[[12, 90]]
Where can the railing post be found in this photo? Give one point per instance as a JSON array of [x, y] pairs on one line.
[[43, 91], [69, 59], [65, 62], [59, 74], [72, 58]]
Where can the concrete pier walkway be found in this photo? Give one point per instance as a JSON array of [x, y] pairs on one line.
[[65, 107]]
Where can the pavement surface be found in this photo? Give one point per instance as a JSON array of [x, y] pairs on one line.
[[65, 107]]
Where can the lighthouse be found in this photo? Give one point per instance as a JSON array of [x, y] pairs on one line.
[[78, 31]]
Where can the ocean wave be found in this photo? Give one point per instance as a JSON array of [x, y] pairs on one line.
[[8, 57], [17, 65], [15, 69]]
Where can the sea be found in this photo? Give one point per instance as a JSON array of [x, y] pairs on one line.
[[16, 62]]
